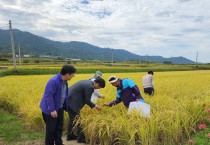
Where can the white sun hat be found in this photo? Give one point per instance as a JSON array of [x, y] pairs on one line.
[[112, 79]]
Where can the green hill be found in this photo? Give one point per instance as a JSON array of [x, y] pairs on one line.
[[36, 45]]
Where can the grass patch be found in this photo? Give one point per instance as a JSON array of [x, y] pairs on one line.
[[201, 138], [12, 129]]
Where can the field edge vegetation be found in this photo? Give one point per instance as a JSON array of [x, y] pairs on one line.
[[14, 130]]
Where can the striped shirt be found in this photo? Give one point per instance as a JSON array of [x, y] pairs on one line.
[[63, 93]]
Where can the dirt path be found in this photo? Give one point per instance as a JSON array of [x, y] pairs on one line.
[[41, 142], [74, 142], [1, 69]]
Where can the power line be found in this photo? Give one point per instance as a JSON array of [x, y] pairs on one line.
[[26, 7], [20, 12], [5, 26]]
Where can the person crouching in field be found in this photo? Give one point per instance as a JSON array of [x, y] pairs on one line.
[[127, 91], [53, 103], [79, 95], [96, 94], [148, 83]]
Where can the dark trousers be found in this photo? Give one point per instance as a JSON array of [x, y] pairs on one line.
[[72, 118], [149, 91], [54, 128]]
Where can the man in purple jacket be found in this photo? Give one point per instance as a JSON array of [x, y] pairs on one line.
[[127, 91], [53, 104]]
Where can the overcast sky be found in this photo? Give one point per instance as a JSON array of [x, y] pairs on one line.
[[167, 28]]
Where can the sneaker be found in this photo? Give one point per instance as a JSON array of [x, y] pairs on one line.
[[72, 137], [81, 141], [81, 138]]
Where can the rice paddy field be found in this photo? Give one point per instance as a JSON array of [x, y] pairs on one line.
[[178, 107], [90, 67]]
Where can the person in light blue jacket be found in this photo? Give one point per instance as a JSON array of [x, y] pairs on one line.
[[53, 104], [127, 91]]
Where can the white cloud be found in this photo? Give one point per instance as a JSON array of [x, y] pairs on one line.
[[145, 27]]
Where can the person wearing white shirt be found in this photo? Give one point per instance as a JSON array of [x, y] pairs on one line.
[[148, 83], [96, 94]]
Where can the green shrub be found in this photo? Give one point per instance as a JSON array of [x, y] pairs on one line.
[[3, 59], [36, 61], [26, 61]]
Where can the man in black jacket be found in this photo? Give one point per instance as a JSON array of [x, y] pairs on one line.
[[79, 95]]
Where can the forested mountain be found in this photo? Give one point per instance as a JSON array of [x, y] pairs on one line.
[[36, 45]]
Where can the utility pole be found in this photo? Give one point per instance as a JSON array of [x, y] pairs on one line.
[[102, 58], [12, 44], [196, 59], [19, 53], [112, 57], [52, 56], [146, 59]]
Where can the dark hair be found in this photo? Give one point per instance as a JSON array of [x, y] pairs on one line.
[[67, 69], [150, 72], [101, 82]]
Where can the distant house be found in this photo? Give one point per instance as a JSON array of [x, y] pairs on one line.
[[45, 56], [73, 59], [76, 59], [26, 55]]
